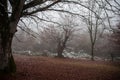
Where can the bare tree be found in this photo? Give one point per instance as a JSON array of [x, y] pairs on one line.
[[60, 35], [10, 13], [93, 21], [115, 39], [116, 36]]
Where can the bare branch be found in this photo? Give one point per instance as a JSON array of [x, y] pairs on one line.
[[117, 2], [40, 9], [41, 19], [27, 32], [33, 4], [18, 39]]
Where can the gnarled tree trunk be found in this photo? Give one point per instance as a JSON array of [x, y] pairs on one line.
[[62, 45], [7, 64], [8, 25], [60, 49]]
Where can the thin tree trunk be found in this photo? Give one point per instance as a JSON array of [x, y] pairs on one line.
[[92, 52], [112, 57]]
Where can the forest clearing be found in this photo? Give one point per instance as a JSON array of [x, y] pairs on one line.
[[47, 68]]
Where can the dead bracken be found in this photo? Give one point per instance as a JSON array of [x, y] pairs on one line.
[[45, 68]]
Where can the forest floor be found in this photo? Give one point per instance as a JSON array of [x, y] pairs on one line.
[[45, 68]]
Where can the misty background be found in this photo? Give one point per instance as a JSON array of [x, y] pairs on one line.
[[42, 35]]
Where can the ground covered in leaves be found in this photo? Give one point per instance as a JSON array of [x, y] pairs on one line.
[[44, 68]]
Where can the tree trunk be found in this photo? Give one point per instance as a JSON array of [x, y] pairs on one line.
[[8, 25], [92, 52], [61, 46], [112, 57], [60, 50], [7, 64]]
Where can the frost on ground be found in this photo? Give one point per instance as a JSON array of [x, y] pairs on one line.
[[79, 55]]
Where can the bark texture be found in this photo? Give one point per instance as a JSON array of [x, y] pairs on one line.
[[8, 25]]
